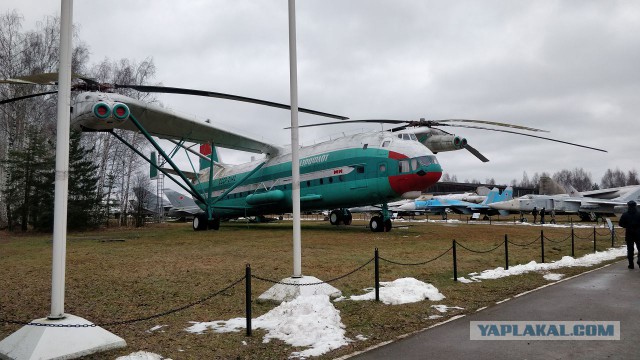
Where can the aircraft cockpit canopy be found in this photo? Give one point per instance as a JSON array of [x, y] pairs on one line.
[[407, 137], [407, 165]]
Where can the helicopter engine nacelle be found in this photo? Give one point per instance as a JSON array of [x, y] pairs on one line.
[[99, 114], [449, 142]]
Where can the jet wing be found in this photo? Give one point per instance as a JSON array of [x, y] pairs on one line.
[[163, 123]]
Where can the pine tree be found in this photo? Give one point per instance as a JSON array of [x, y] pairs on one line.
[[30, 174], [85, 201]]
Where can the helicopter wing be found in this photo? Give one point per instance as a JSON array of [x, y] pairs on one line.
[[97, 111]]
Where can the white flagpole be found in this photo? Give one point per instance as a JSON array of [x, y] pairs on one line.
[[295, 156], [62, 163]]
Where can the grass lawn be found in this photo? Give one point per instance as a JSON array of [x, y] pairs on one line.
[[119, 274]]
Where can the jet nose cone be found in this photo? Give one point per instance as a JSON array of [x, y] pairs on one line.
[[408, 206]]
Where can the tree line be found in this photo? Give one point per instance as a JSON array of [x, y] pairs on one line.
[[103, 172], [579, 178]]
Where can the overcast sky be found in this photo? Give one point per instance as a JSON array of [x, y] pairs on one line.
[[570, 67]]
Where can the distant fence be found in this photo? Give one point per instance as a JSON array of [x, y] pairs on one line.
[[248, 276]]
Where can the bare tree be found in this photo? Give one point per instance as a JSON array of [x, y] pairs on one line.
[[613, 178], [143, 197], [578, 178], [27, 53], [114, 158], [525, 182], [632, 177]]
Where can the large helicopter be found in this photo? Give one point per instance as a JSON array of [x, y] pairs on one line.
[[364, 169]]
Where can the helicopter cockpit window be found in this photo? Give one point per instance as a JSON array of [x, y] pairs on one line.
[[403, 166], [386, 143], [413, 137], [427, 160]]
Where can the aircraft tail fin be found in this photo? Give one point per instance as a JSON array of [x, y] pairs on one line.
[[211, 152], [573, 192], [491, 196], [177, 199], [507, 194]]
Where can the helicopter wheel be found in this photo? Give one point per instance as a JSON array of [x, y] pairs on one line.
[[388, 225], [214, 224], [335, 217], [347, 219], [376, 224], [200, 222]]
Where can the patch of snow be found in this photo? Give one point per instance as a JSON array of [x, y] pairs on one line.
[[155, 328], [433, 317], [402, 291], [361, 337], [310, 321], [553, 277], [566, 261], [142, 355], [445, 308]]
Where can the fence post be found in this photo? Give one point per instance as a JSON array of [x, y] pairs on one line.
[[613, 233], [573, 254], [542, 243], [455, 263], [247, 299], [377, 275], [594, 239], [506, 252]]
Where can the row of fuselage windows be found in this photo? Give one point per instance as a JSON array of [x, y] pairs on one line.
[[307, 183]]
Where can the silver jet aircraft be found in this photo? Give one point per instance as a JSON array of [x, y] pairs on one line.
[[572, 203]]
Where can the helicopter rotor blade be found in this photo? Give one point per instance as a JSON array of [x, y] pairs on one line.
[[477, 153], [374, 121], [37, 79], [174, 90], [6, 101], [93, 85], [434, 123], [429, 123], [494, 123], [531, 135]]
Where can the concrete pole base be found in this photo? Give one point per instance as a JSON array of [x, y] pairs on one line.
[[280, 293], [49, 342]]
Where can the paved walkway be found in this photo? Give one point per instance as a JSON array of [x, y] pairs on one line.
[[608, 294]]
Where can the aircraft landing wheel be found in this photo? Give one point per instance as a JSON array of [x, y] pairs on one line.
[[335, 218], [376, 224], [214, 224], [348, 219], [200, 222], [388, 225]]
